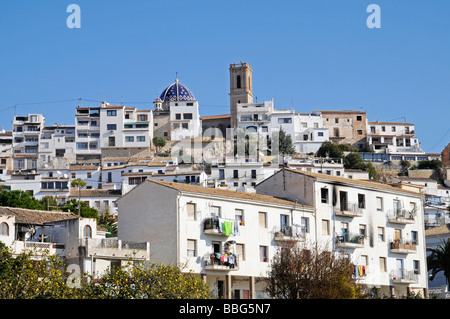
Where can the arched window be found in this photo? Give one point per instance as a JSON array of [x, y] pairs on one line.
[[4, 229], [87, 232], [238, 82]]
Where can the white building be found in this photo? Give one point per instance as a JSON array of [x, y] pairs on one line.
[[124, 127], [240, 174], [393, 138], [87, 133], [78, 241], [191, 225], [437, 236], [176, 114], [57, 146], [378, 227]]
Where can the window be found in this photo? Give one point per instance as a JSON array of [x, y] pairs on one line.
[[359, 118], [89, 175], [383, 267], [111, 141], [215, 211], [87, 231], [240, 251], [393, 128], [111, 113], [263, 256], [191, 248], [239, 216], [284, 120], [142, 117], [336, 120], [4, 229], [129, 138], [262, 219], [178, 116], [380, 233], [361, 201], [111, 127], [325, 227], [141, 138], [362, 230], [185, 126], [19, 164], [360, 132], [305, 224], [253, 173], [238, 82], [324, 195], [191, 211], [416, 266], [379, 201], [187, 116], [319, 133], [336, 132], [235, 173], [414, 237]]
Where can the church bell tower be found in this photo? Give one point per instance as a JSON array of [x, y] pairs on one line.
[[240, 88]]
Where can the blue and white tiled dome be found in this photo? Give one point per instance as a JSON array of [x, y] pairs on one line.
[[177, 92]]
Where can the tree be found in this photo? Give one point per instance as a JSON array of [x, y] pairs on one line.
[[154, 281], [300, 272], [85, 211], [25, 277], [159, 143], [439, 260], [329, 149], [285, 145], [20, 199], [354, 161]]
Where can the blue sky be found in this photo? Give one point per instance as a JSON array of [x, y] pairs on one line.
[[316, 54]]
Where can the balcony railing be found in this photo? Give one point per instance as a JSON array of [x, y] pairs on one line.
[[286, 233], [221, 262], [350, 240], [219, 226], [401, 216], [349, 209], [403, 246], [402, 276]]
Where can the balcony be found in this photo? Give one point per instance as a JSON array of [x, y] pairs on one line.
[[289, 233], [219, 226], [350, 240], [348, 209], [115, 248], [401, 216], [402, 246], [215, 261], [360, 272], [402, 276]]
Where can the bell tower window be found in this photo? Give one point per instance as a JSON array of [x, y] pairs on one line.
[[238, 82]]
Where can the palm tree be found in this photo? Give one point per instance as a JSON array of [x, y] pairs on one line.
[[439, 260]]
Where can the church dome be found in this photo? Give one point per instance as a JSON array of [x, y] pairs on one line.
[[177, 92]]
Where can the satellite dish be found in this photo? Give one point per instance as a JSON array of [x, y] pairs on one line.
[[58, 172], [66, 176]]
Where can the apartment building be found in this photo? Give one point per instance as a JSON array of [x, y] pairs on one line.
[[346, 127], [124, 127], [87, 134], [393, 138], [57, 146], [241, 174], [378, 227], [200, 227]]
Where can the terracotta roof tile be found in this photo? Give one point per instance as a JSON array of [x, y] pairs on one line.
[[36, 217], [225, 193]]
